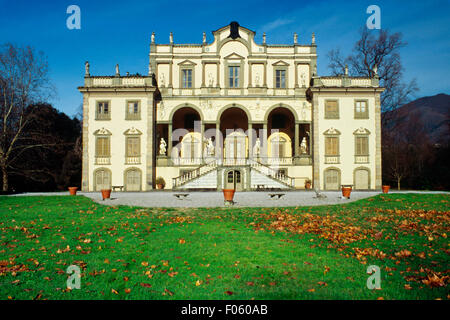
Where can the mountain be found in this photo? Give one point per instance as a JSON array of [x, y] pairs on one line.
[[433, 113]]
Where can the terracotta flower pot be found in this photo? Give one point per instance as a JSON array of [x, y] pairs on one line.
[[73, 191], [307, 185], [385, 188], [346, 191], [106, 193], [159, 186], [228, 194]]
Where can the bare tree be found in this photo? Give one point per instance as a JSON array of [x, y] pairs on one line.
[[379, 53], [23, 81]]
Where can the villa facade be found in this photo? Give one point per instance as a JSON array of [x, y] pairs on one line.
[[231, 113]]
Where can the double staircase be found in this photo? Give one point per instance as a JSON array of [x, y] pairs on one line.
[[205, 176]]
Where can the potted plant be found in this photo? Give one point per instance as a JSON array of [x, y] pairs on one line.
[[228, 195], [73, 191], [385, 188], [307, 184], [106, 193], [160, 183], [346, 191]]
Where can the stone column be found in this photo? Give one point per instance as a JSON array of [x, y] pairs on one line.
[[378, 172], [315, 151], [203, 74], [265, 75], [297, 140], [218, 139], [250, 141], [169, 143], [250, 84], [85, 162], [264, 142], [150, 165], [202, 135]]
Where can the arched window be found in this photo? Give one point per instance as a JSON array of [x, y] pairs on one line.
[[133, 179], [332, 179], [102, 179], [361, 179]]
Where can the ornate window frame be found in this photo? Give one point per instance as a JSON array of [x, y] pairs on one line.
[[101, 116], [332, 158], [280, 66], [186, 65], [328, 115], [133, 116], [361, 133], [361, 115]]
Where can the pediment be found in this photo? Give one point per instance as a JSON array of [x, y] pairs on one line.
[[132, 131], [234, 55], [361, 130], [187, 63], [280, 63], [102, 132], [332, 131]]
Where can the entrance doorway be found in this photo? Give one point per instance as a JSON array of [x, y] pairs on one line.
[[235, 148], [233, 180]]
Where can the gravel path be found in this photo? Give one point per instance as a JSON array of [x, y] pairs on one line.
[[215, 199]]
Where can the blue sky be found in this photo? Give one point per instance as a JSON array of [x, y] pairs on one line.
[[119, 32]]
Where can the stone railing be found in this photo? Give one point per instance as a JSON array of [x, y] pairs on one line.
[[332, 159], [102, 160], [271, 172], [345, 81], [133, 160], [279, 161], [187, 161], [190, 175], [361, 159], [120, 81]]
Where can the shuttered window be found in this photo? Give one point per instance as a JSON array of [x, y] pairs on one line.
[[361, 111], [233, 77], [133, 110], [102, 111], [133, 146], [187, 78], [280, 79], [331, 109], [331, 146], [362, 146], [102, 148]]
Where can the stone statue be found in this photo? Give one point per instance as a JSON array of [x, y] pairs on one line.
[[295, 38], [313, 38], [257, 80], [264, 38], [209, 147], [303, 80], [162, 147], [86, 69], [153, 37], [210, 79], [304, 146], [204, 37], [375, 70], [117, 70], [171, 37], [257, 148]]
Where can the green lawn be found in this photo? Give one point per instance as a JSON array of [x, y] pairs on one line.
[[230, 253]]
